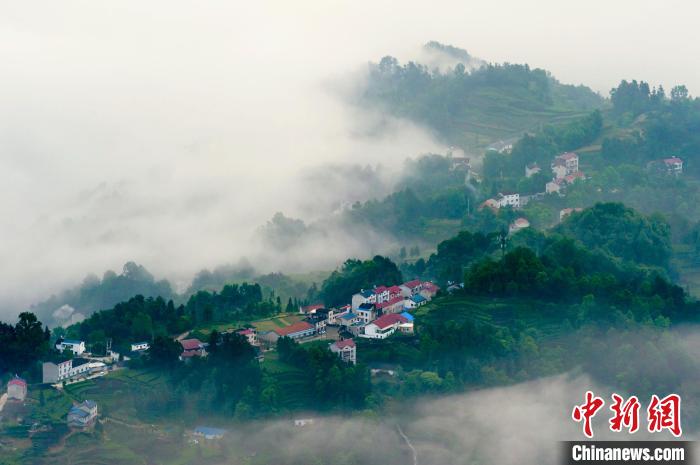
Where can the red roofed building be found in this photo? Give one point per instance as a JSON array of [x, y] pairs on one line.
[[565, 164], [429, 290], [310, 308], [192, 348], [411, 287], [297, 330], [384, 326], [346, 350], [395, 305], [17, 389], [191, 344]]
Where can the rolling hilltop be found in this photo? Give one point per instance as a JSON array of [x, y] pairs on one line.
[[474, 109]]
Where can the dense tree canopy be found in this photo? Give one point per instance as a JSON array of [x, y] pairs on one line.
[[357, 274]]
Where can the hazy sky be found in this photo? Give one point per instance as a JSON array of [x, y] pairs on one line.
[[166, 132]]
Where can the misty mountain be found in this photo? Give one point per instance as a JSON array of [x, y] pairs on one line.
[[472, 107], [95, 294]]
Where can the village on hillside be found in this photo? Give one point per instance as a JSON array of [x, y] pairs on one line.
[[372, 314], [565, 172]]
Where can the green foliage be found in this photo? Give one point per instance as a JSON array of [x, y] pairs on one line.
[[493, 101], [456, 253], [331, 383], [357, 274], [23, 344], [99, 294], [567, 272], [621, 232]]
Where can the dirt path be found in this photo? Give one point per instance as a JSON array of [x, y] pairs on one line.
[[408, 443]]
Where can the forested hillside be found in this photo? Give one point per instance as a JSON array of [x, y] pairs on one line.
[[474, 109]]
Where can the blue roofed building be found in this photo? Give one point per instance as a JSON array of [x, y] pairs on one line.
[[82, 415]]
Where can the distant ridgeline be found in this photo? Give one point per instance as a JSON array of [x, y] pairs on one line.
[[473, 109]]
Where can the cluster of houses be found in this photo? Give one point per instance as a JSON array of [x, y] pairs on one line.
[[565, 172], [671, 166]]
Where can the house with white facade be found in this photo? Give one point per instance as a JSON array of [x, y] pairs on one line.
[[413, 287], [366, 313], [394, 305], [82, 415], [77, 347], [140, 346], [384, 326], [17, 389], [365, 296], [532, 169], [554, 186], [346, 350], [55, 372], [508, 199], [297, 330], [250, 334], [564, 164]]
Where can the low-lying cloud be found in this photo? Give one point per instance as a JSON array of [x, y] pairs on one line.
[[167, 133]]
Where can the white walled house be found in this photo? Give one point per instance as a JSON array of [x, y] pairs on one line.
[[17, 389], [82, 415], [381, 293], [384, 326], [53, 373], [414, 287], [140, 346], [508, 199], [531, 170], [366, 313], [363, 297], [77, 347], [346, 350], [566, 163]]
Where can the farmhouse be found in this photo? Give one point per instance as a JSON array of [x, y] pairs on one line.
[[77, 347], [554, 186], [508, 199], [518, 224], [348, 319], [366, 313], [319, 322], [413, 287], [406, 327], [82, 415], [493, 204], [384, 326], [53, 373], [192, 348], [532, 169], [394, 305], [346, 350], [140, 346], [296, 331], [310, 308], [363, 297], [209, 433], [673, 166], [17, 389], [563, 213], [429, 290], [565, 164], [250, 334]]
